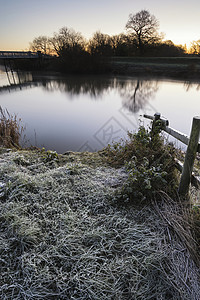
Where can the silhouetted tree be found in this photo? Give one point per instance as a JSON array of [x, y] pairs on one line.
[[70, 47], [195, 47], [143, 27], [123, 45], [67, 40], [100, 44], [41, 43]]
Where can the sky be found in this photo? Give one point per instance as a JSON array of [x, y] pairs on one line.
[[23, 20]]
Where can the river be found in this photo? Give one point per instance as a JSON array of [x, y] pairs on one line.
[[85, 113]]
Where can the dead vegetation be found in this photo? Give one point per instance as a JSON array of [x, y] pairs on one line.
[[11, 129]]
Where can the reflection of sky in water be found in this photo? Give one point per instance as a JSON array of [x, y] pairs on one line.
[[86, 113]]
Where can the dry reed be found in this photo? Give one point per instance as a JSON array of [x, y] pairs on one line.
[[10, 129]]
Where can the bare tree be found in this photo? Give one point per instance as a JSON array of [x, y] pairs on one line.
[[195, 47], [67, 39], [100, 43], [41, 43], [117, 43], [144, 28], [123, 45]]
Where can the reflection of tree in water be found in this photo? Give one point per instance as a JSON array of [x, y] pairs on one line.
[[137, 93], [95, 87], [191, 84]]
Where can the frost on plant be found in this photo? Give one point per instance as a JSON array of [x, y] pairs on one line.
[[62, 237]]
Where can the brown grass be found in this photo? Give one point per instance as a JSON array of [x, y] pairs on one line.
[[10, 129]]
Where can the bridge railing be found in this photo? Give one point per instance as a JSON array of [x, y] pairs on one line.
[[19, 54]]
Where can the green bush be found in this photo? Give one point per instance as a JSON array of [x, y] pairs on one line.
[[143, 180], [149, 162], [49, 155]]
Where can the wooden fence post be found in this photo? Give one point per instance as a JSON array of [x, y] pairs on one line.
[[154, 128], [189, 158]]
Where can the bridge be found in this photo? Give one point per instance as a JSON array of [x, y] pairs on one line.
[[18, 86], [10, 61], [19, 54]]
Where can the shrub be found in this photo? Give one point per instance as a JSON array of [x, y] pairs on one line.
[[143, 180], [81, 62], [149, 162], [49, 155]]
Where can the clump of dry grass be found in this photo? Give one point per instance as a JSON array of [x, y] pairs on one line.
[[61, 236], [195, 212], [194, 197], [180, 246], [10, 129]]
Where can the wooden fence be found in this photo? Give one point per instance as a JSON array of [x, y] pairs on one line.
[[193, 146]]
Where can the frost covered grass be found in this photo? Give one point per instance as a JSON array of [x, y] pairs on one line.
[[64, 235]]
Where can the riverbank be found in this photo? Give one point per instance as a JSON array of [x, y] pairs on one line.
[[167, 67], [79, 226], [187, 67]]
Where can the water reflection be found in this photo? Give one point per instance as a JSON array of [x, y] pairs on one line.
[[87, 112], [136, 94], [13, 80], [74, 85], [190, 85]]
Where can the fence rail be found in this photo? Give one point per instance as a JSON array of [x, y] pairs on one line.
[[193, 144], [173, 132]]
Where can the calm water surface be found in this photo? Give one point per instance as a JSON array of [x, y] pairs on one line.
[[86, 113]]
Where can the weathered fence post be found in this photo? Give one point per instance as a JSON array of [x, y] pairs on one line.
[[190, 157], [193, 147]]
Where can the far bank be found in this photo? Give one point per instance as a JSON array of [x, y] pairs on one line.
[[168, 67]]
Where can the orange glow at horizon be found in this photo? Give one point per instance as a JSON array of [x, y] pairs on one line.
[[21, 21]]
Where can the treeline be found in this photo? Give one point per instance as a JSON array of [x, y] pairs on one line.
[[76, 54], [67, 40], [72, 53], [195, 48]]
